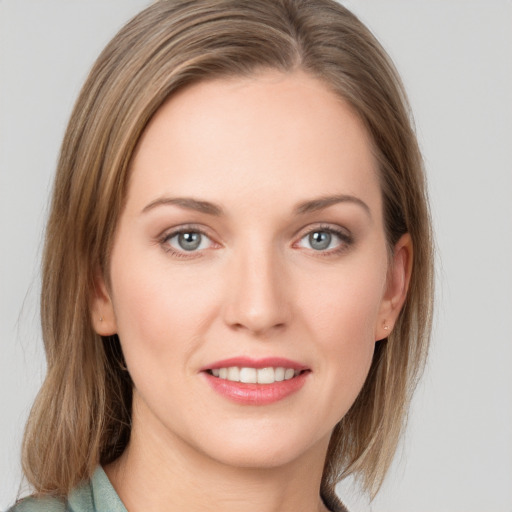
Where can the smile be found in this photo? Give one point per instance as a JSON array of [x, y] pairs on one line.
[[248, 375], [250, 381]]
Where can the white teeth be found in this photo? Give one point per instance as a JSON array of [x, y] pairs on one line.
[[234, 373], [289, 373], [279, 374], [248, 375], [266, 376]]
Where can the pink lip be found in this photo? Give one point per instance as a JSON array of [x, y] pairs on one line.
[[247, 362], [256, 394]]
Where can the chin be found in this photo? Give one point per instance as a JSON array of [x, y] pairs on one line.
[[260, 449]]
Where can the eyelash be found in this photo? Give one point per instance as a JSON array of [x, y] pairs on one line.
[[166, 237], [346, 241]]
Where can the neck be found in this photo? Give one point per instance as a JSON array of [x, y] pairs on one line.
[[164, 474]]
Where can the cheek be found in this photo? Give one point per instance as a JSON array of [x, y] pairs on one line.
[[341, 316], [163, 313], [348, 338], [157, 312], [345, 303]]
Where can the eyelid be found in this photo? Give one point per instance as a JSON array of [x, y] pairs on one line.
[[345, 236], [183, 228], [170, 233]]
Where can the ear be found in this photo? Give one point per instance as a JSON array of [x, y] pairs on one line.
[[102, 310], [397, 284]]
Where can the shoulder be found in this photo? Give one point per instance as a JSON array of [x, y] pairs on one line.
[[33, 504], [79, 500], [96, 494]]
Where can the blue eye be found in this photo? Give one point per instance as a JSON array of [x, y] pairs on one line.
[[323, 240], [320, 240], [188, 241]]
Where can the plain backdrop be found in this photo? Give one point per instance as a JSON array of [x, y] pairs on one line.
[[455, 57]]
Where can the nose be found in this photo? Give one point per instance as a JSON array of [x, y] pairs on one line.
[[257, 298]]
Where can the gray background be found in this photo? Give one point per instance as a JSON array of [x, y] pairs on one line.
[[455, 57]]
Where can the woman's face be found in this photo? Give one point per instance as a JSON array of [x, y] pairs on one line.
[[251, 247]]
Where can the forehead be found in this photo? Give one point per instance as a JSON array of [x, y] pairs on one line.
[[282, 137]]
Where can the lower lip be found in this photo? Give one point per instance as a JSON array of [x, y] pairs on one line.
[[256, 394]]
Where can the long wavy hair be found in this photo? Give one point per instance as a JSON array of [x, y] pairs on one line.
[[81, 416]]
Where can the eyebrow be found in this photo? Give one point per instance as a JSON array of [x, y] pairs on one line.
[[213, 209], [186, 202], [326, 201]]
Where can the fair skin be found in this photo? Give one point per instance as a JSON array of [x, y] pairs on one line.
[[252, 230]]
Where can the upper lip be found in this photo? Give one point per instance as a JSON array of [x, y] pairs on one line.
[[248, 362]]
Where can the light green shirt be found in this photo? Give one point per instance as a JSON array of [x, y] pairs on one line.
[[97, 495]]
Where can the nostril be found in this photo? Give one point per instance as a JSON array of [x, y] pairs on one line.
[[256, 302], [260, 329]]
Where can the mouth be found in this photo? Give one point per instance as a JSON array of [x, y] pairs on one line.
[[249, 375], [256, 382]]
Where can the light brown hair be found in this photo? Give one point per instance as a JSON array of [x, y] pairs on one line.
[[81, 416]]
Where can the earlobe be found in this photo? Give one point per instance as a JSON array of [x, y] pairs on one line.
[[399, 276], [102, 311]]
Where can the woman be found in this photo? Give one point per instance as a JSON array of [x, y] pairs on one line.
[[237, 278]]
